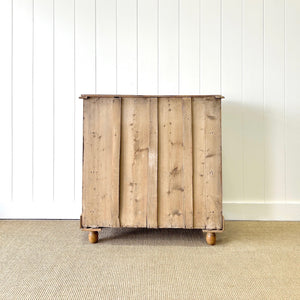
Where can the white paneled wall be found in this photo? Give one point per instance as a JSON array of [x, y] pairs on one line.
[[52, 51]]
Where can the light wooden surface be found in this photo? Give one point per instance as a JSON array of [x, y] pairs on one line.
[[175, 163], [89, 96], [199, 111], [152, 162], [138, 177], [101, 154]]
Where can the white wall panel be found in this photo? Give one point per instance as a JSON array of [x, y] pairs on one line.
[[52, 51], [43, 101], [127, 46], [168, 47], [147, 47], [6, 103], [85, 75], [106, 51], [253, 101], [22, 99], [210, 47], [292, 102], [274, 100], [232, 131], [189, 45], [63, 101]]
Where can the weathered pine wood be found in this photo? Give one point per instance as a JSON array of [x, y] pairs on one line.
[[207, 163], [174, 170], [90, 96], [100, 193], [138, 150], [199, 148], [213, 165], [187, 162], [151, 218], [152, 162]]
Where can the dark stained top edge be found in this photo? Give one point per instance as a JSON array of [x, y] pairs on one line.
[[87, 96]]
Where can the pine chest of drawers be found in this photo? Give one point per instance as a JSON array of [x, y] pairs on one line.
[[152, 162]]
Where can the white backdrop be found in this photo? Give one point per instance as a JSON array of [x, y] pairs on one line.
[[54, 50]]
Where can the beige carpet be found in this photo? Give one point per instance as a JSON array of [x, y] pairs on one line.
[[54, 260]]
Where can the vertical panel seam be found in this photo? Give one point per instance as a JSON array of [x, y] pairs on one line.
[[120, 151], [12, 98], [178, 78], [137, 47], [95, 16], [53, 99], [242, 100], [183, 163], [284, 102], [221, 44], [205, 161], [74, 105], [120, 161], [157, 47], [116, 46], [264, 104], [200, 10], [157, 157], [32, 105]]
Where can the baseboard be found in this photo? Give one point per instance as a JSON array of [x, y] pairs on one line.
[[262, 211]]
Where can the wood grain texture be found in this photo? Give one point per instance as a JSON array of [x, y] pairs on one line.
[[175, 181], [199, 147], [207, 163], [187, 161], [138, 162], [151, 220], [213, 166], [101, 162], [89, 96], [164, 156]]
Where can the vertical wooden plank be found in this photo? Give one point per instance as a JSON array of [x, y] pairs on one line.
[[207, 165], [101, 155], [85, 78], [106, 40], [292, 104], [127, 47], [138, 172], [151, 217], [189, 47], [213, 165], [147, 46], [173, 187], [253, 101], [43, 101], [210, 47], [232, 110], [63, 101], [187, 162], [199, 149], [22, 99], [168, 47], [6, 104], [274, 101]]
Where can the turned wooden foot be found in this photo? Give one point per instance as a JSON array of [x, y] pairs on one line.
[[93, 236], [210, 238]]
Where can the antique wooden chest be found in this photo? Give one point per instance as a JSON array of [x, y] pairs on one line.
[[152, 162]]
